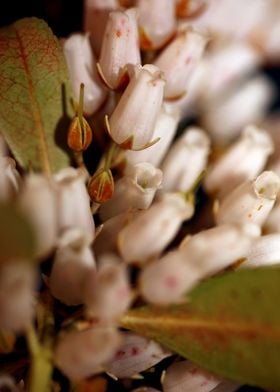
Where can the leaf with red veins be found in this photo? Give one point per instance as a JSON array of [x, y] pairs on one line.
[[34, 95]]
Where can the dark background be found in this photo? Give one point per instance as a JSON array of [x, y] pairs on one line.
[[66, 16]]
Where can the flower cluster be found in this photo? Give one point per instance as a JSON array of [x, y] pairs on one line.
[[131, 230]]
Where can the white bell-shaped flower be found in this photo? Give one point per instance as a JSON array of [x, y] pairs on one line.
[[73, 208], [107, 292], [135, 190], [82, 69], [37, 200], [186, 160], [179, 60], [73, 261], [157, 22], [264, 251], [132, 123], [135, 355], [244, 160], [150, 231], [251, 201], [120, 47], [80, 354], [187, 377], [165, 130]]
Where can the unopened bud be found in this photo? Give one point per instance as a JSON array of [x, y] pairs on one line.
[[101, 186], [79, 135]]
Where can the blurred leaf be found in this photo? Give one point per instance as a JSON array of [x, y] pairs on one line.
[[17, 239], [33, 95], [230, 325]]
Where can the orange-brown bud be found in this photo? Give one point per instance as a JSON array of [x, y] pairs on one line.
[[79, 134], [101, 186]]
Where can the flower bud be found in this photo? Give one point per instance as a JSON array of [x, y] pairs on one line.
[[101, 186], [95, 19], [9, 179], [73, 201], [37, 200], [17, 302], [225, 118], [150, 231], [206, 253], [190, 8], [187, 377], [251, 201], [243, 161], [186, 160], [79, 134], [178, 61], [132, 123], [107, 291], [157, 22], [135, 190], [73, 262], [135, 355], [264, 251], [80, 354], [81, 66], [120, 47], [165, 129], [106, 241]]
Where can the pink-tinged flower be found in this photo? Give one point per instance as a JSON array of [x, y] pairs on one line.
[[150, 231], [187, 377], [73, 203], [179, 60], [204, 254], [73, 261], [132, 123], [82, 69], [226, 117], [120, 47], [190, 8], [17, 302], [135, 190], [165, 129], [80, 354], [96, 14], [166, 280], [264, 251], [185, 161], [37, 200], [251, 201], [244, 160], [9, 179], [135, 355], [157, 22], [107, 293]]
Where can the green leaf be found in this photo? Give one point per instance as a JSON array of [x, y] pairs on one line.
[[17, 238], [230, 325], [34, 95]]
